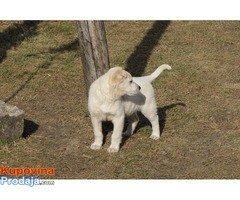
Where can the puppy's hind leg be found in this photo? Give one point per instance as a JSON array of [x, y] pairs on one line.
[[155, 128], [98, 135], [132, 123], [151, 114]]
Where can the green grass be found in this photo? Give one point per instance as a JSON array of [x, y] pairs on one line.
[[41, 73]]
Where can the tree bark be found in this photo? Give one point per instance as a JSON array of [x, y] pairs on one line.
[[93, 50]]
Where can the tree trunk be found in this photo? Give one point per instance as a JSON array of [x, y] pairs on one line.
[[93, 50]]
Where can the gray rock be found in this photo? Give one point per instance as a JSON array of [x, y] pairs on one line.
[[11, 121]]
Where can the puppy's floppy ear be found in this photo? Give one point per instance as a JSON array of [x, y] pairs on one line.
[[117, 77]]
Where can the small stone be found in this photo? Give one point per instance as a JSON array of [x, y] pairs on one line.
[[11, 121]]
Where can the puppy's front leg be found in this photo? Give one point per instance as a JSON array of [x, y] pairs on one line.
[[98, 135], [118, 124]]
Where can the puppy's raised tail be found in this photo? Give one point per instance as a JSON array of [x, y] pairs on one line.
[[158, 71]]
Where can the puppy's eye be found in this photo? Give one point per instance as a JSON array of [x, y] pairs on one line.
[[131, 81]]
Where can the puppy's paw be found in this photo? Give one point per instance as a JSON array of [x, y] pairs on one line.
[[113, 149], [95, 146], [154, 137]]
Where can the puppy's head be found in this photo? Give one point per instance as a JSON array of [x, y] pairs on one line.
[[121, 83]]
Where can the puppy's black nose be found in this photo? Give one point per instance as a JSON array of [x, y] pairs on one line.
[[139, 87]]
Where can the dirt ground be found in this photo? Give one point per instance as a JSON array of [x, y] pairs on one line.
[[198, 100]]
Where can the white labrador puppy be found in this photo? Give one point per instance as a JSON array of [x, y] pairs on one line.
[[117, 94]]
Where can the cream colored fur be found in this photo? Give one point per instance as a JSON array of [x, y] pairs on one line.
[[116, 95]]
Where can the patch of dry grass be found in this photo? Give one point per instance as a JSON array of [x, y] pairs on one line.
[[41, 73]]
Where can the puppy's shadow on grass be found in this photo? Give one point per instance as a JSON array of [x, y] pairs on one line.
[[107, 127], [162, 114], [143, 121]]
